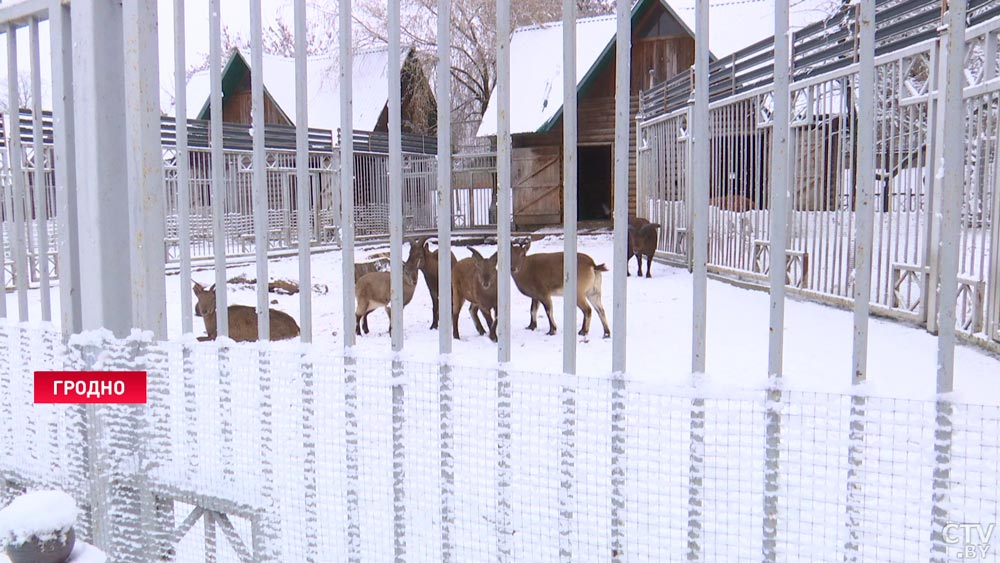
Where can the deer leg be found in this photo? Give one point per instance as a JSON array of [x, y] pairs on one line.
[[456, 308], [534, 314], [547, 303], [595, 300], [649, 265], [581, 302], [365, 322], [434, 308], [473, 311], [388, 312], [489, 322], [638, 259], [493, 326]]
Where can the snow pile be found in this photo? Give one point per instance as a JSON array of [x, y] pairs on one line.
[[43, 514]]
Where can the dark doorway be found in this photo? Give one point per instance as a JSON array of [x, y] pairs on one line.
[[594, 183]]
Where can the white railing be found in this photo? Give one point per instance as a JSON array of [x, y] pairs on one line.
[[824, 148]]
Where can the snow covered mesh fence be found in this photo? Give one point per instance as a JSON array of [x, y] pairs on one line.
[[235, 459]]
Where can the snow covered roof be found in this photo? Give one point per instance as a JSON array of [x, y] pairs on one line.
[[369, 80], [735, 25], [536, 82]]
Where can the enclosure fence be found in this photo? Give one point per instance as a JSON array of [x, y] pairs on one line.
[[909, 131], [286, 453]]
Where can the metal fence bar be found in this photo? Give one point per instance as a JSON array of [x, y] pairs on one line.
[[698, 240], [41, 208], [302, 187], [64, 165], [145, 167], [218, 188], [445, 205], [623, 61], [569, 185], [395, 179], [183, 171], [21, 269], [261, 189], [953, 151]]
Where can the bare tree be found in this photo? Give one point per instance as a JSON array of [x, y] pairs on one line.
[[23, 92]]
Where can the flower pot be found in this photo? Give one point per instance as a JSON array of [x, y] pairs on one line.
[[55, 548]]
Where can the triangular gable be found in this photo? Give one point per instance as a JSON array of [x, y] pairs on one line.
[[370, 87]]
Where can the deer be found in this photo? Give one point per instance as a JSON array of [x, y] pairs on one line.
[[540, 276], [430, 269], [475, 280], [374, 290], [642, 241], [242, 319]]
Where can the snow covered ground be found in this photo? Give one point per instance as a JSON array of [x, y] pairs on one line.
[[902, 358], [818, 350]]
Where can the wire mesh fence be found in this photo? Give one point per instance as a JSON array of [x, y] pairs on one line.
[[280, 452]]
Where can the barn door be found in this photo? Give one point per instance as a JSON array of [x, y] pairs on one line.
[[536, 179]]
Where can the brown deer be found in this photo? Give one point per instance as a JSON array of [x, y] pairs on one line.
[[430, 269], [374, 290], [540, 276], [242, 319], [642, 241], [475, 281]]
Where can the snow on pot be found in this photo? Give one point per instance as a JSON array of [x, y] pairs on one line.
[[38, 527]]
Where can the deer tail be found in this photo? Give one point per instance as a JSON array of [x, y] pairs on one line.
[[600, 268]]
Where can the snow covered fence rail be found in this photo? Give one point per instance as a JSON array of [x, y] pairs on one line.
[[825, 123], [176, 477]]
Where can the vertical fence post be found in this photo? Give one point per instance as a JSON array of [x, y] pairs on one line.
[[569, 183], [865, 217], [98, 57], [218, 183], [183, 167], [15, 149], [623, 65], [780, 184], [261, 188], [41, 207], [64, 151], [504, 475], [144, 160], [302, 171], [953, 164], [701, 149], [444, 218]]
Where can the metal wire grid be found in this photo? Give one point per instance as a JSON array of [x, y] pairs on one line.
[[289, 455]]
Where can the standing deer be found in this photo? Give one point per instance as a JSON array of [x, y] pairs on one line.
[[242, 319], [642, 241], [430, 269], [540, 276], [374, 290], [475, 281]]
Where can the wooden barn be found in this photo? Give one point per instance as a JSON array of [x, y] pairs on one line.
[[662, 46], [370, 88]]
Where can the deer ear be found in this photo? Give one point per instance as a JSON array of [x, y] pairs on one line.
[[493, 259], [476, 254], [198, 288], [212, 288]]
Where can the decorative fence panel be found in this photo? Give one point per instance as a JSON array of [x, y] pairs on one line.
[[820, 262]]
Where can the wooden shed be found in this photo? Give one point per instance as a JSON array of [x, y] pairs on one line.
[[370, 89], [662, 46]]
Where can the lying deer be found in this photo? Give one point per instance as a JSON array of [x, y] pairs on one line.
[[242, 319], [474, 280], [374, 290], [430, 269], [540, 276], [642, 241]]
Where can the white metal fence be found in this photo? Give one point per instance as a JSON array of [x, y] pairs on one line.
[[288, 453], [909, 128]]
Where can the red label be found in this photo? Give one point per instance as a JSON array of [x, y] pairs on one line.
[[121, 387]]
